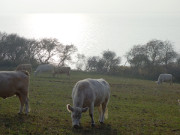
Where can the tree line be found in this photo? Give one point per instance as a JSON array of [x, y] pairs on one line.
[[144, 61], [153, 58], [15, 50]]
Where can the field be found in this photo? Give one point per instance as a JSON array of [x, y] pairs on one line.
[[136, 107]]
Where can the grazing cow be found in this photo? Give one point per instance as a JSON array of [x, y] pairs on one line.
[[61, 70], [26, 67], [44, 68], [15, 83], [89, 93], [165, 78]]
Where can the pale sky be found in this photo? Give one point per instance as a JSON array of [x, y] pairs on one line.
[[90, 6], [94, 25]]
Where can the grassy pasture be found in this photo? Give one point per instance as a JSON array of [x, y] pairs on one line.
[[136, 107]]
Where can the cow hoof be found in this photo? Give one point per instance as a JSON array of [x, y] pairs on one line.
[[101, 123], [92, 125]]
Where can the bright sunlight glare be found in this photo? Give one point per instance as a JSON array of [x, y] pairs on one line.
[[68, 28]]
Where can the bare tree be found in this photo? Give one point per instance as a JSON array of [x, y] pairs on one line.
[[103, 64], [46, 49], [81, 61], [92, 63], [3, 49], [32, 50], [13, 48], [110, 60], [154, 51], [65, 53], [168, 53], [137, 56]]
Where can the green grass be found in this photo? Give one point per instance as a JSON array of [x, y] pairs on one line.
[[136, 107]]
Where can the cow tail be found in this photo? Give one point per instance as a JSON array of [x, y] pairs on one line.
[[106, 113]]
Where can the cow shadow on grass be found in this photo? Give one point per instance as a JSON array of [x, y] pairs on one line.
[[13, 121], [102, 129]]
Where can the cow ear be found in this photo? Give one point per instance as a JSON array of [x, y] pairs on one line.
[[69, 108], [85, 109]]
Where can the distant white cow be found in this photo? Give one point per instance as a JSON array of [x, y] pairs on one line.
[[89, 93], [165, 78], [44, 68], [15, 83], [61, 70], [26, 67]]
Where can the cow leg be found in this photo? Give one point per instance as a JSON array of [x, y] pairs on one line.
[[22, 101], [171, 82], [26, 101], [91, 110], [104, 105], [27, 105], [100, 112]]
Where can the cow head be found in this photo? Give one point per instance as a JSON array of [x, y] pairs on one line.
[[158, 82], [76, 114]]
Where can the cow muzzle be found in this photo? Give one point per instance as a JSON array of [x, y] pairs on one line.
[[76, 126]]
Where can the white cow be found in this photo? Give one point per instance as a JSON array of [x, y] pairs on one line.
[[44, 68], [15, 83], [89, 93], [165, 78], [26, 67], [61, 70]]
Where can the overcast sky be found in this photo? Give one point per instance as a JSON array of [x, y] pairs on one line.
[[90, 6], [122, 23]]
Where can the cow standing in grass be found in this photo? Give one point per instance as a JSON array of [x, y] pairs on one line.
[[89, 93], [44, 68], [15, 83], [26, 67], [165, 78], [61, 70]]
